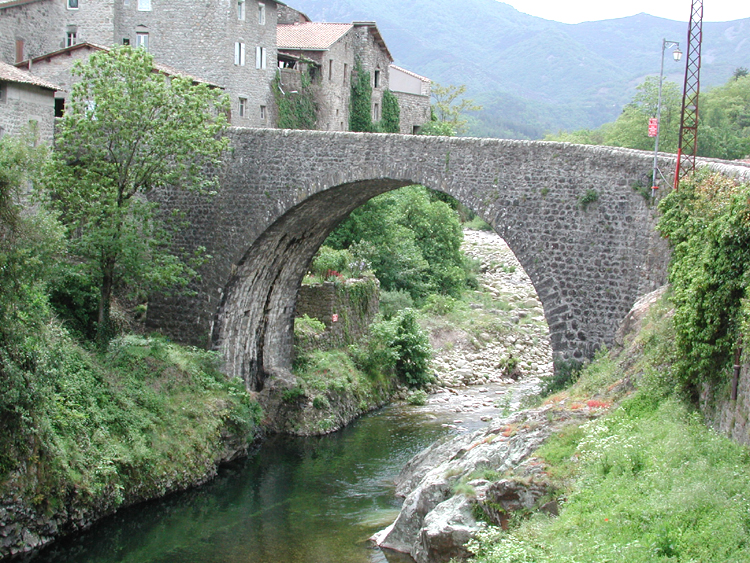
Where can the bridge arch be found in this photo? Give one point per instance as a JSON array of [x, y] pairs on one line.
[[283, 192]]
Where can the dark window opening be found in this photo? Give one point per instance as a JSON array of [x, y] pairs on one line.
[[59, 107]]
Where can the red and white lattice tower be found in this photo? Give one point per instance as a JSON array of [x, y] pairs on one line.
[[688, 146]]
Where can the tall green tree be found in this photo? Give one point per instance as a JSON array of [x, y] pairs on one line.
[[631, 127], [127, 131], [724, 128], [412, 241]]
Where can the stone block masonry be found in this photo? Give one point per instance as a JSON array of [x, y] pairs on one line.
[[283, 192], [347, 309]]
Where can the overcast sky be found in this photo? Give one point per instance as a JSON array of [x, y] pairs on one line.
[[576, 11]]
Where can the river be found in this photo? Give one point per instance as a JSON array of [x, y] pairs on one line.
[[318, 500], [297, 500]]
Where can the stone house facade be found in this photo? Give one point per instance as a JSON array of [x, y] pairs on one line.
[[26, 102], [228, 43], [413, 94], [329, 53], [57, 68], [238, 45]]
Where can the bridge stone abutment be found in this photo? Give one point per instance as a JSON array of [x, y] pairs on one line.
[[282, 192]]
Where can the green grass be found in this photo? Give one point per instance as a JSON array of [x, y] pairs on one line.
[[651, 487]]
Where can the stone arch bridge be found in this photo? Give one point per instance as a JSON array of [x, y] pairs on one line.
[[282, 192]]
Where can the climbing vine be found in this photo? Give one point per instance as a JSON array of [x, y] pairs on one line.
[[391, 120], [297, 110], [360, 114], [707, 223]]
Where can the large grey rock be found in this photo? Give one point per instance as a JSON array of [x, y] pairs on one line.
[[434, 524], [446, 530]]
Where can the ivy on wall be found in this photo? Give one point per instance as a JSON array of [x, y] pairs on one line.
[[360, 110], [297, 110], [391, 120], [360, 102], [707, 223]]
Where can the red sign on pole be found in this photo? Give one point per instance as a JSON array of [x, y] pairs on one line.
[[653, 126]]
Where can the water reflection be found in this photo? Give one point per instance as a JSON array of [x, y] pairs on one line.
[[313, 500]]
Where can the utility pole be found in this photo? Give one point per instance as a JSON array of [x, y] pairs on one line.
[[688, 146], [676, 55]]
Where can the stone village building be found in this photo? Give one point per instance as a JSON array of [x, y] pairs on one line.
[[328, 52], [26, 101], [228, 43]]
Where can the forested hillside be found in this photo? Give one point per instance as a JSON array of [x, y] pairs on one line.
[[535, 76]]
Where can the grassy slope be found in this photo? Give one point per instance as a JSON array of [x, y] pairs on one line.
[[147, 418], [647, 482]]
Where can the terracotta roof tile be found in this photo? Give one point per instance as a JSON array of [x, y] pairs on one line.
[[312, 36], [165, 69], [11, 3], [9, 73]]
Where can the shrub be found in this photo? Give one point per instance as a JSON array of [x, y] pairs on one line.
[[439, 304], [391, 302], [417, 398], [329, 260], [589, 197], [308, 326], [413, 348], [566, 373], [320, 402]]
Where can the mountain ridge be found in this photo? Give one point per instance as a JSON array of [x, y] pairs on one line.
[[535, 75]]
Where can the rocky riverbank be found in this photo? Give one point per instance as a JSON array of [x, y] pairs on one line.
[[506, 337], [454, 487]]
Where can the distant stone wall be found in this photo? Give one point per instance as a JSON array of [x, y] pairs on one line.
[[24, 104], [415, 111], [43, 26], [354, 303]]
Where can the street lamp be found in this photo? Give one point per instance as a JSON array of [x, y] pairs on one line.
[[676, 55]]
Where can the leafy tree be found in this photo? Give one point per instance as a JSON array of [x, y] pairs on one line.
[[631, 127], [739, 72], [447, 111], [724, 129], [360, 112], [128, 131], [411, 240]]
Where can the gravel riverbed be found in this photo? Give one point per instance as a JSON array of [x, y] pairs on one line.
[[485, 365]]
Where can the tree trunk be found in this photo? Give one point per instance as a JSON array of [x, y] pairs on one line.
[[104, 329]]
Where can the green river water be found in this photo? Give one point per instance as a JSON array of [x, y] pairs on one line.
[[298, 500]]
